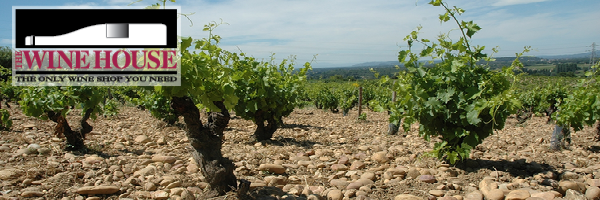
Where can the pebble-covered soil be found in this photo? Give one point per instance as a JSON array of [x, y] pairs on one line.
[[317, 155]]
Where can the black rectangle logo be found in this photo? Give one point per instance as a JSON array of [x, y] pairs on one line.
[[95, 28]]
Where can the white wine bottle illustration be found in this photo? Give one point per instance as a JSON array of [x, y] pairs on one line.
[[106, 34]]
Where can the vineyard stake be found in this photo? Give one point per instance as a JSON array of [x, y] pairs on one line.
[[359, 101]]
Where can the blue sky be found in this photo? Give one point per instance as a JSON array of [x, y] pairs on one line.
[[346, 32]]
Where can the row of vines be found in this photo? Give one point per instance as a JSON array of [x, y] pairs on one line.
[[344, 96]]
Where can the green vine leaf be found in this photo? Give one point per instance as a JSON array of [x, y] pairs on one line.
[[471, 28]]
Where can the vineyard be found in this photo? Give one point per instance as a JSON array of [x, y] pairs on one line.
[[240, 128]]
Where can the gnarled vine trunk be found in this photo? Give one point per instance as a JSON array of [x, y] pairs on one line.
[[74, 137], [264, 132], [206, 142]]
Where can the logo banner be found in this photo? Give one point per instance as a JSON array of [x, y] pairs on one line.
[[96, 46]]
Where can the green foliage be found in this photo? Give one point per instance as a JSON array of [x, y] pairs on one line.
[[160, 107], [362, 116], [457, 99], [136, 96], [5, 121], [348, 99], [582, 106], [158, 104], [378, 95], [126, 94], [541, 99], [555, 96], [5, 60], [7, 91], [110, 108], [532, 101], [37, 101], [5, 72], [206, 74], [344, 95], [265, 88], [55, 102], [326, 99]]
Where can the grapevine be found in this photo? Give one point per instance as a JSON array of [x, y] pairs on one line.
[[581, 107], [207, 80], [327, 100], [55, 102], [348, 99], [458, 100], [7, 92], [267, 92]]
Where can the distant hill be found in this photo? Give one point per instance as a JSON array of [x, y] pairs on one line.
[[387, 68], [579, 55]]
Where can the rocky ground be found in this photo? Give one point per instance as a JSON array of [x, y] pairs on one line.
[[317, 155]]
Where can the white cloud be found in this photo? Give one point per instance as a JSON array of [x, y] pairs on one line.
[[6, 42], [516, 2]]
